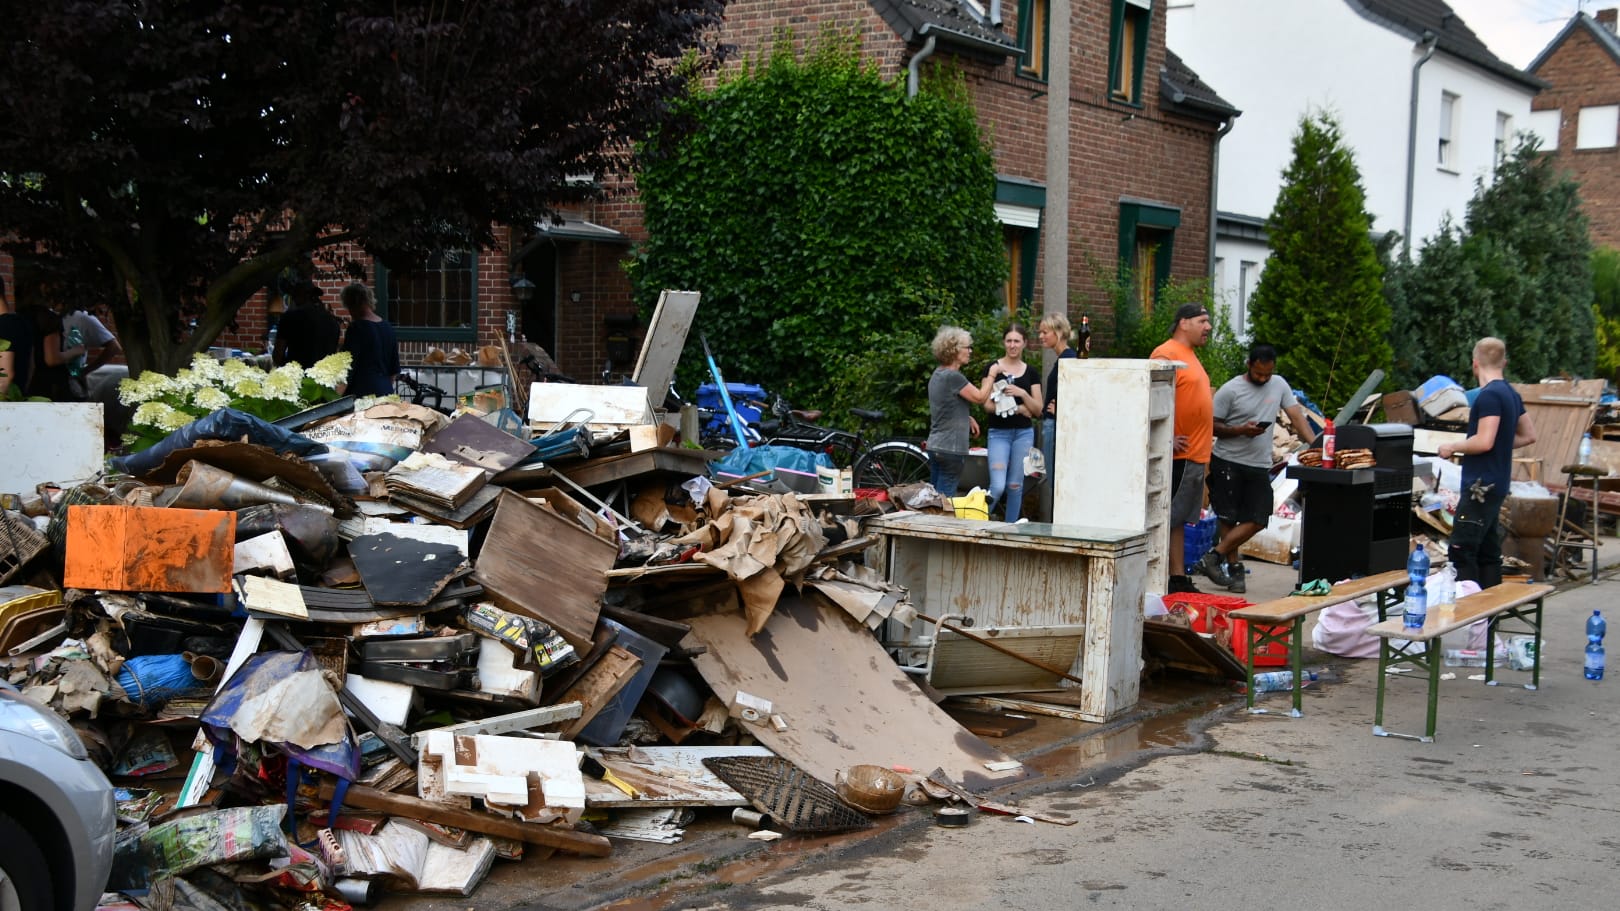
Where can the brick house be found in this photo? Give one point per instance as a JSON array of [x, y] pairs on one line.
[[1141, 148], [1578, 115]]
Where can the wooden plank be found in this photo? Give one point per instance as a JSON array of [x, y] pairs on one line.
[[542, 565], [582, 843], [134, 548], [611, 408], [595, 689], [1281, 610], [842, 699], [665, 340], [474, 441], [1463, 612]]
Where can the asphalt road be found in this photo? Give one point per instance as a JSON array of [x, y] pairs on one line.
[[1513, 806]]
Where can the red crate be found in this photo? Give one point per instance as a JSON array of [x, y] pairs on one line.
[[1208, 613]]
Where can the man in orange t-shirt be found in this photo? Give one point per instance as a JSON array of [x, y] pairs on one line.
[[1194, 429]]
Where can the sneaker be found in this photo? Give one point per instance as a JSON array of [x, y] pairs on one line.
[[1212, 564], [1239, 584], [1182, 584]]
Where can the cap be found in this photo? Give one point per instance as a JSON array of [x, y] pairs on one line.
[[1190, 311]]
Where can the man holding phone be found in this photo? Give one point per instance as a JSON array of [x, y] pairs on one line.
[[1240, 465]]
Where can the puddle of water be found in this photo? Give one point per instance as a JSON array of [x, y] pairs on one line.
[[1100, 751]]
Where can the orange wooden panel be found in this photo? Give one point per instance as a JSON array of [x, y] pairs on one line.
[[134, 548]]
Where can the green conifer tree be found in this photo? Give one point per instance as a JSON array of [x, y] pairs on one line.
[[1321, 300]]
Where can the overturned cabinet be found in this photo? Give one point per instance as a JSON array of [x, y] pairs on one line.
[[1030, 587]]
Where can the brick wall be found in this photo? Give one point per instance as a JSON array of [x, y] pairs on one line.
[[1581, 73]]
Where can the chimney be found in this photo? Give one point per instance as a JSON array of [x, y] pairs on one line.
[[1605, 18]]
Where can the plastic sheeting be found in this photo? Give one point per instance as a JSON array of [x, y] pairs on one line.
[[224, 424], [281, 698]]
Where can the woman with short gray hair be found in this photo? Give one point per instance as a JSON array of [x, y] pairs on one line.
[[950, 425]]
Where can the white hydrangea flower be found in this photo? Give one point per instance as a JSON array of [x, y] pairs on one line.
[[211, 398], [150, 414], [147, 387], [290, 370], [331, 370], [234, 371], [281, 386], [248, 388], [207, 367], [173, 420], [186, 380]]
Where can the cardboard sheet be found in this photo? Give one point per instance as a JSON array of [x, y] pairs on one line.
[[842, 698]]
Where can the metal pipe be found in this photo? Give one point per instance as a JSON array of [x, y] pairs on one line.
[[914, 68], [1432, 41]]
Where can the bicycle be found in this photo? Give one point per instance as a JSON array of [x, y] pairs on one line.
[[883, 464], [416, 392]]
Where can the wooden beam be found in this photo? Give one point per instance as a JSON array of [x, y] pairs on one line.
[[582, 843]]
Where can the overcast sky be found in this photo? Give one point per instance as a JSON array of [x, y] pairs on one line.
[[1517, 30]]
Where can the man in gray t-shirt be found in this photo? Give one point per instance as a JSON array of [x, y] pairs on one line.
[[1240, 465]]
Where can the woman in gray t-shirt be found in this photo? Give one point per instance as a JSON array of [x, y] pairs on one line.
[[950, 424]]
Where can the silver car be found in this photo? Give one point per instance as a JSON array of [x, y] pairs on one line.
[[57, 816]]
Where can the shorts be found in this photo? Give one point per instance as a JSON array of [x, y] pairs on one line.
[[1187, 479], [1239, 493]]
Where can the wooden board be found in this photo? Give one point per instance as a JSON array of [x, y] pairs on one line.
[[398, 570], [473, 441], [842, 698], [133, 548], [563, 839], [1562, 412], [595, 689], [665, 776], [611, 408], [665, 340], [1184, 649], [541, 565]]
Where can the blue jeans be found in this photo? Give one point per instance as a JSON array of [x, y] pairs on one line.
[[944, 468], [1007, 451]]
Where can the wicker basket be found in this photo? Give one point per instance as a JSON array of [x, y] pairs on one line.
[[19, 543]]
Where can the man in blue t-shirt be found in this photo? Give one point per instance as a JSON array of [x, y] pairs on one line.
[[1497, 425]]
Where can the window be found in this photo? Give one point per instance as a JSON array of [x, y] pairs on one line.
[[1448, 129], [1032, 25], [1504, 132], [437, 299], [1147, 234], [1248, 280], [1596, 127], [1128, 49], [1545, 125], [1019, 206]]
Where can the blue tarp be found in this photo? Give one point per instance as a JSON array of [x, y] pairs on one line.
[[742, 462]]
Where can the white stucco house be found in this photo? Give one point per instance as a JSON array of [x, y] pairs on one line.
[[1424, 104]]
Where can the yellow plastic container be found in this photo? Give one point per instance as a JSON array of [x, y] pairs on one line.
[[973, 505]]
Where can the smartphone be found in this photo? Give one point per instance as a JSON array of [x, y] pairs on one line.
[[1263, 424]]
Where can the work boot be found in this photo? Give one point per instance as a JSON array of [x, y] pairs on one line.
[[1212, 564], [1238, 585], [1182, 585]]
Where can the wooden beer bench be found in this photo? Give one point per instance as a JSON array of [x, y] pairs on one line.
[[1290, 612], [1511, 600]]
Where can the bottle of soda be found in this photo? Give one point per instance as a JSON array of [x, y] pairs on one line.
[[1085, 336], [1596, 628], [1417, 595], [1327, 444]]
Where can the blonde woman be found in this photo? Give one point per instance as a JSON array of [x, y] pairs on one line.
[[950, 425], [1054, 334]]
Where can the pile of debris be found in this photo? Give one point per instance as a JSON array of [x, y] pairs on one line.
[[386, 648]]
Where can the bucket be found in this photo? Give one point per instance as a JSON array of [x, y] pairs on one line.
[[972, 505], [871, 789]]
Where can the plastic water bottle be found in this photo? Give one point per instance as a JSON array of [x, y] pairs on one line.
[[1445, 587], [1585, 455], [1596, 628], [1417, 595], [75, 338], [1274, 681]]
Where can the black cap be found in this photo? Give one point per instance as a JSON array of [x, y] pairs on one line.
[[1190, 311]]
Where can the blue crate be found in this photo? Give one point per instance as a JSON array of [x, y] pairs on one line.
[[1199, 538]]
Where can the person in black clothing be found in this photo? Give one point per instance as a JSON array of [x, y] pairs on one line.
[[48, 375], [18, 357], [309, 331], [371, 340]]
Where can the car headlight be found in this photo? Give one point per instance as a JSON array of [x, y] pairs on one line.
[[24, 716]]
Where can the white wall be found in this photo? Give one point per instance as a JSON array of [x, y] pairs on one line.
[[1276, 60], [1231, 289]]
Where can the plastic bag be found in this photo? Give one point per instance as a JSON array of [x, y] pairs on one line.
[[240, 833], [224, 424], [1341, 629], [1034, 464], [153, 678]]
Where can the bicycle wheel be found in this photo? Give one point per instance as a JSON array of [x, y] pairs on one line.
[[891, 464]]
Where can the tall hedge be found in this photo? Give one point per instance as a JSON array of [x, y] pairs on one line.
[[1320, 299], [818, 210]]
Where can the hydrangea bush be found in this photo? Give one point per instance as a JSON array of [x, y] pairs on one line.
[[164, 404]]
